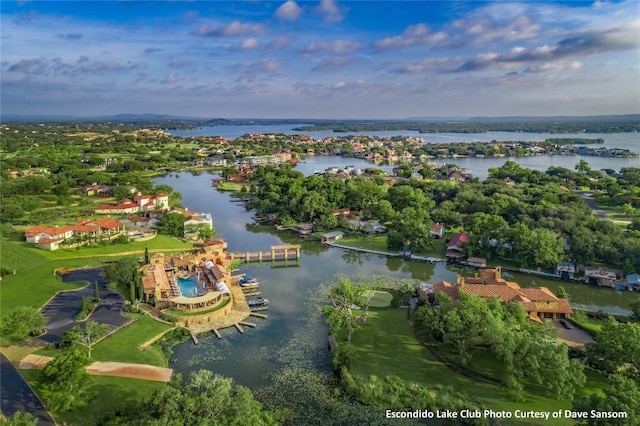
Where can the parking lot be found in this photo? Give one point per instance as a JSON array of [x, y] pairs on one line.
[[574, 336], [61, 311]]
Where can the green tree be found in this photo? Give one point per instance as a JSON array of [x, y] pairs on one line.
[[23, 321], [547, 249], [20, 419], [343, 297], [122, 272], [87, 336], [561, 292], [9, 212], [583, 166], [617, 344], [204, 398], [621, 395], [65, 380], [635, 310], [172, 224], [201, 231]]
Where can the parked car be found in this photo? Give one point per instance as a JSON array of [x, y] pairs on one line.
[[566, 324]]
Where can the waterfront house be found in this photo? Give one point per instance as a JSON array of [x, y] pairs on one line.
[[601, 277], [437, 230], [539, 302], [455, 247], [139, 204], [331, 236], [565, 270], [633, 282], [51, 237], [477, 262]]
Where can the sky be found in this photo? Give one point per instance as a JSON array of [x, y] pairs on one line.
[[320, 59]]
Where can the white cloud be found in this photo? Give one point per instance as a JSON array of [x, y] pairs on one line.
[[235, 28], [288, 11], [330, 10], [335, 46], [171, 78], [414, 35], [247, 44]]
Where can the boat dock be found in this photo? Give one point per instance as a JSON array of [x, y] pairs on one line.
[[248, 324], [217, 333], [194, 337], [255, 293], [261, 308], [257, 315], [281, 252], [240, 329]]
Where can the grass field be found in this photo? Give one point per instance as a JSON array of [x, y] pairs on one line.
[[377, 242], [385, 345], [231, 186], [106, 394], [122, 346], [380, 299]]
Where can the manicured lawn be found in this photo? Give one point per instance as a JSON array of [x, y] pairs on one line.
[[377, 242], [160, 242], [385, 345], [15, 258], [106, 394], [122, 346], [231, 186], [438, 249], [380, 299]]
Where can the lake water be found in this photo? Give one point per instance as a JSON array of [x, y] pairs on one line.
[[292, 343], [480, 166]]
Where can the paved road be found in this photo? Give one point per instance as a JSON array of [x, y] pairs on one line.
[[17, 395], [62, 309]]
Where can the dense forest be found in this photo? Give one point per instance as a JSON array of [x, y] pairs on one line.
[[539, 221]]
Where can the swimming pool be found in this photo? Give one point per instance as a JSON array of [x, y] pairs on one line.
[[189, 287]]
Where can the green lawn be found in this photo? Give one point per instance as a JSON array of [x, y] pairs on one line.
[[385, 345], [122, 346], [106, 394], [380, 299], [377, 242], [160, 242], [231, 186]]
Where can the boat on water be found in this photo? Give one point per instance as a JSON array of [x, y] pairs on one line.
[[260, 301], [247, 280]]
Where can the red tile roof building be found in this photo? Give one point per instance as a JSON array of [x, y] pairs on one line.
[[539, 302]]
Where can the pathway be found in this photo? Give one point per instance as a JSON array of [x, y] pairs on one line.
[[388, 253], [106, 368], [17, 395]]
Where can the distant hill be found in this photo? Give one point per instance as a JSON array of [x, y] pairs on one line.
[[529, 119]]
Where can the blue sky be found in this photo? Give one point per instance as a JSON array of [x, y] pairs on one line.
[[320, 59]]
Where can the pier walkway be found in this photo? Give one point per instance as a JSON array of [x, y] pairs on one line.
[[388, 253], [280, 252]]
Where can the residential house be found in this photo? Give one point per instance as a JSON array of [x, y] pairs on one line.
[[539, 302], [437, 230], [331, 236], [601, 276], [95, 189], [51, 237], [455, 246], [477, 262], [139, 204], [633, 282], [565, 270], [140, 222]]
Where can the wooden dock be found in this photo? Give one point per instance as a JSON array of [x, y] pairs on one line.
[[280, 252], [240, 329], [248, 324], [217, 333], [194, 337], [261, 308], [255, 293], [257, 315]]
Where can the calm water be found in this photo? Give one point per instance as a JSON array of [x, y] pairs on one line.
[[480, 166], [292, 334], [612, 140]]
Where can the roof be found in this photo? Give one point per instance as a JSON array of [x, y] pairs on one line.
[[436, 226], [503, 292], [458, 239], [105, 222], [477, 260]]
